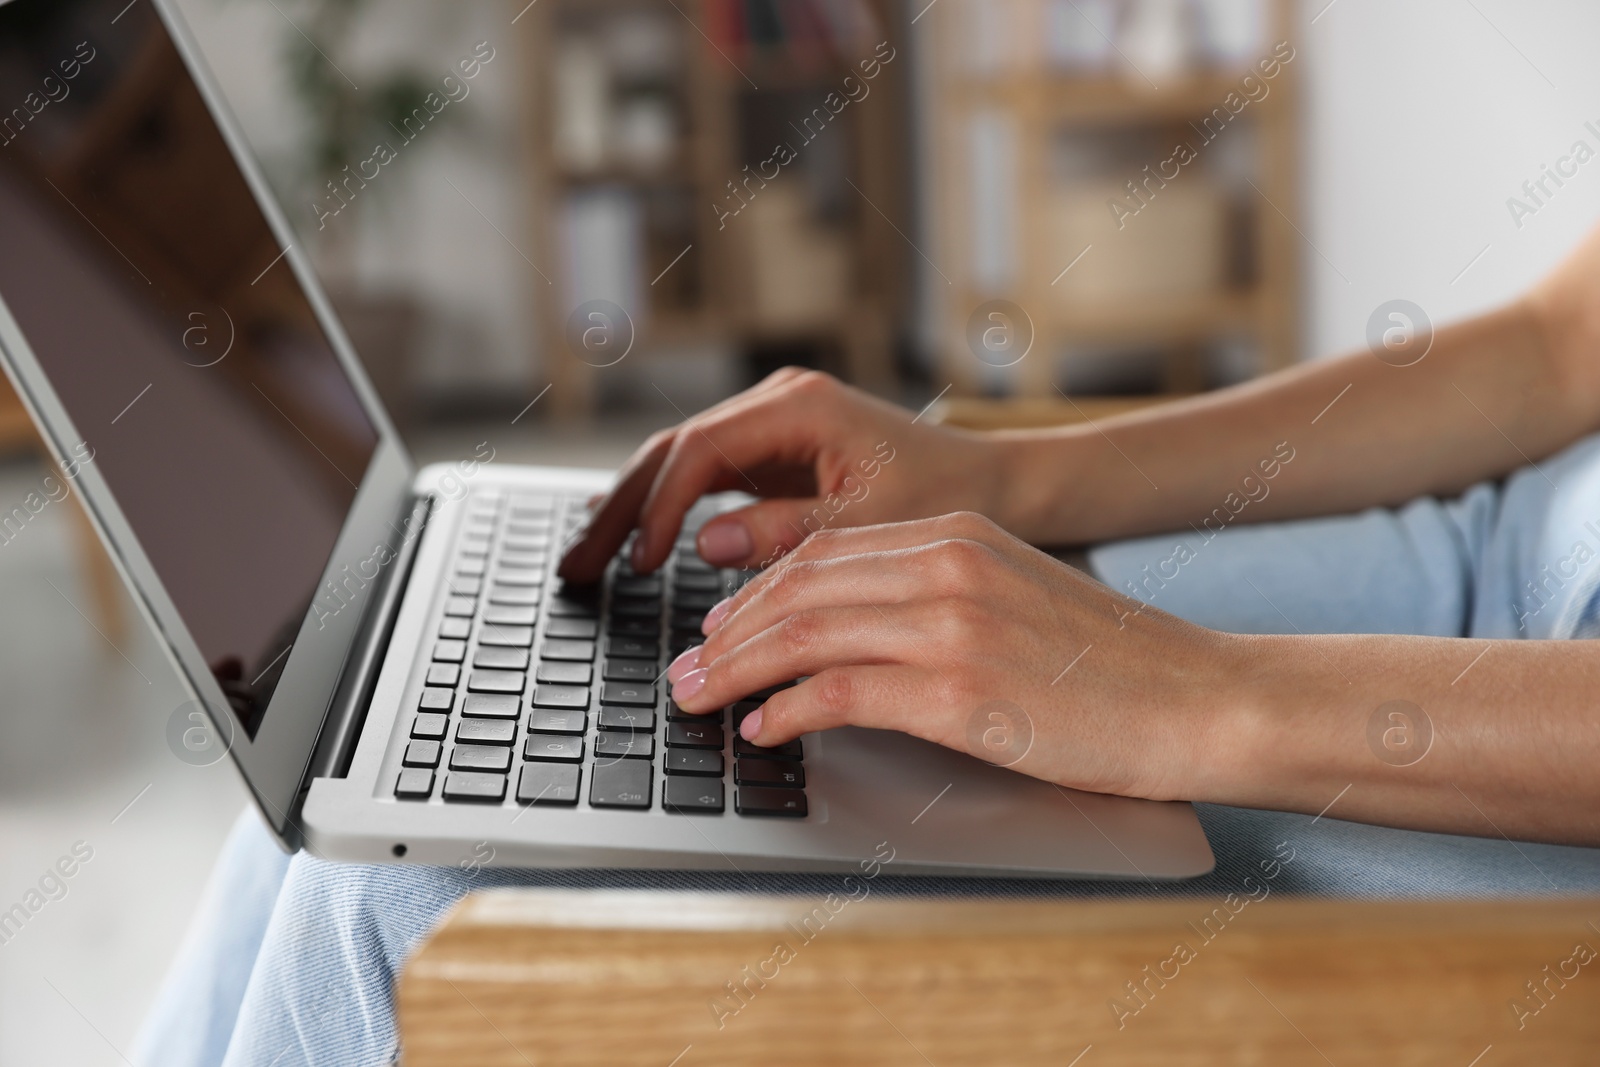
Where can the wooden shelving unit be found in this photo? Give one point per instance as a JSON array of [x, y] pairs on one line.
[[1041, 105], [700, 269]]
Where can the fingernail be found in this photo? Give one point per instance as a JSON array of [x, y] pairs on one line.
[[725, 543], [750, 729], [715, 616], [684, 664], [636, 556], [686, 687]]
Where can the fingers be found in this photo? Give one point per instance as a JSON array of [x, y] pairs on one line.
[[610, 525], [758, 535], [864, 540], [619, 510], [801, 644], [882, 578], [707, 451], [889, 697]]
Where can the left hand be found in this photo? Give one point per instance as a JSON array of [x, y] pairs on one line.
[[917, 626]]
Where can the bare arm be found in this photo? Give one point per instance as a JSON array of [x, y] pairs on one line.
[[1492, 394]]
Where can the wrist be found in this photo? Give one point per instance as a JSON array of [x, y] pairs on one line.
[[1039, 488]]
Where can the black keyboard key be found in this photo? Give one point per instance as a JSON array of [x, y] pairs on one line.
[[695, 603], [694, 761], [444, 674], [497, 681], [416, 783], [553, 748], [492, 706], [438, 699], [759, 800], [632, 647], [646, 629], [631, 670], [548, 783], [623, 784], [498, 658], [637, 719], [561, 696], [479, 758], [460, 605], [421, 754], [789, 750], [520, 595], [558, 722], [742, 709], [687, 621], [776, 773], [505, 636], [624, 746], [559, 673], [646, 588], [457, 628], [430, 725], [631, 608], [510, 615], [677, 714], [629, 694], [692, 796], [576, 629], [688, 581], [487, 731], [566, 607], [571, 651], [474, 785], [694, 735]]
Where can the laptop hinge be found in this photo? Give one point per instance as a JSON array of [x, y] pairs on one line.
[[348, 710]]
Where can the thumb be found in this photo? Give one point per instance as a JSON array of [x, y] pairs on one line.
[[756, 536]]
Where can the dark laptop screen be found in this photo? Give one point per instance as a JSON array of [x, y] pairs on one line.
[[153, 293]]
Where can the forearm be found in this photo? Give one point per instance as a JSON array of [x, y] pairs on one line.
[[1342, 725], [1489, 396]]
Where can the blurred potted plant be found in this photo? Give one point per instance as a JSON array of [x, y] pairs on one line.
[[345, 112]]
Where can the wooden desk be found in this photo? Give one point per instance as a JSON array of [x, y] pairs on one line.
[[518, 977]]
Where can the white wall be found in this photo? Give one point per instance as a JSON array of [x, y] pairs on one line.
[[1422, 118]]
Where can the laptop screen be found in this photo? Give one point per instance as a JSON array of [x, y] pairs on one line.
[[156, 299]]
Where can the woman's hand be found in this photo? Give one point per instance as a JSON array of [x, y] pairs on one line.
[[944, 627], [823, 454]]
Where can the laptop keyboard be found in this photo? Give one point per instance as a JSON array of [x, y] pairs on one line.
[[540, 693]]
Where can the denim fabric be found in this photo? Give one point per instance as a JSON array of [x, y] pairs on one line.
[[1500, 562]]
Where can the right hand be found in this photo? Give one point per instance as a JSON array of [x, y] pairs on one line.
[[819, 452]]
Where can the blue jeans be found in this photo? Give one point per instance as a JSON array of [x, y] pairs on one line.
[[292, 960]]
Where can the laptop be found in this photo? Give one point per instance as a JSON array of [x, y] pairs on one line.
[[384, 652]]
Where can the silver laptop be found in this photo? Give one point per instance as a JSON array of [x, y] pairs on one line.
[[386, 653]]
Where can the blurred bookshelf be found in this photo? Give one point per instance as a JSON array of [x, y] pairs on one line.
[[656, 184], [1049, 112]]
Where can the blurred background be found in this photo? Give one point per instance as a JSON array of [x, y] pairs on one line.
[[1017, 211]]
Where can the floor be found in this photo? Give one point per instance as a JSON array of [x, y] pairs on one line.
[[85, 771]]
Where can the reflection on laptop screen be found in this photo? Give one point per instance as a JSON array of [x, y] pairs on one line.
[[154, 295]]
